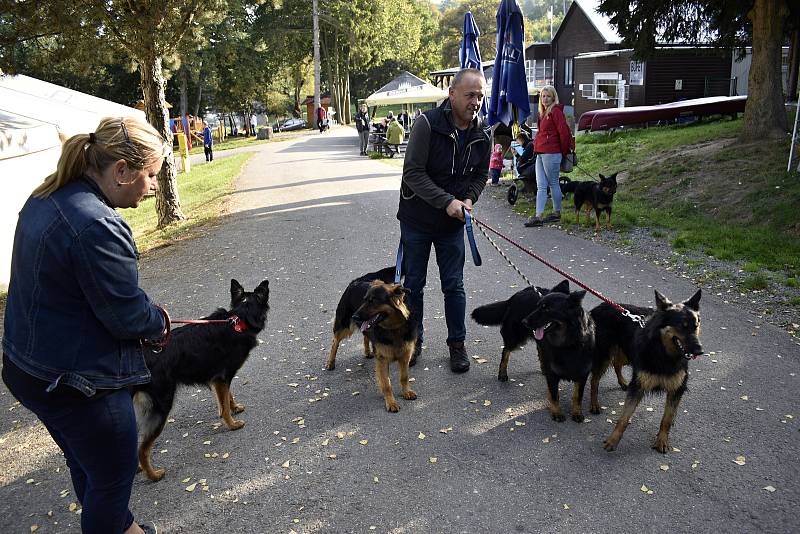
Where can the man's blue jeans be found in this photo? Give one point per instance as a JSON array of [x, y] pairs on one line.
[[98, 437], [450, 259]]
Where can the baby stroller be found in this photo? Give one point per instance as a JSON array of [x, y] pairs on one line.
[[523, 179]]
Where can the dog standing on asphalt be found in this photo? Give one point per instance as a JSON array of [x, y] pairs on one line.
[[508, 314], [200, 354], [384, 317], [660, 359]]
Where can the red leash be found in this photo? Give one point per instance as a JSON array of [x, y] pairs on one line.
[[158, 346], [636, 318]]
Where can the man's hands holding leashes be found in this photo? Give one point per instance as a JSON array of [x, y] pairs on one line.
[[462, 211]]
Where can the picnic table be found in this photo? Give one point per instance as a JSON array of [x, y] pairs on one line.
[[378, 141]]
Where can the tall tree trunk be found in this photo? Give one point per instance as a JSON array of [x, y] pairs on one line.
[[337, 90], [794, 62], [347, 106], [199, 90], [184, 92], [168, 204], [764, 115], [328, 68]]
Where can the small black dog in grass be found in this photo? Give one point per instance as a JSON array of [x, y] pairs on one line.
[[384, 317], [597, 196], [508, 314], [660, 356], [565, 336], [351, 299], [200, 354]]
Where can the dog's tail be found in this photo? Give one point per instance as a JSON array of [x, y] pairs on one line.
[[490, 314]]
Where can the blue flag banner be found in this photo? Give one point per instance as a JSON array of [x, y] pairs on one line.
[[509, 86]]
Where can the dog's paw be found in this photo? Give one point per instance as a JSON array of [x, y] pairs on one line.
[[369, 355], [236, 424], [155, 474], [610, 444], [661, 445], [577, 417], [410, 395], [392, 407], [558, 417], [623, 387], [502, 377], [594, 409], [237, 408], [330, 366]]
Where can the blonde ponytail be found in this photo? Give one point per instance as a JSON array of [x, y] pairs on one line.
[[116, 138]]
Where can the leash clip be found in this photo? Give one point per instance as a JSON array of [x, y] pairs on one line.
[[638, 319], [237, 323]]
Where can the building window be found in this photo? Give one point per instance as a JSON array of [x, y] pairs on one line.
[[568, 66], [539, 72]]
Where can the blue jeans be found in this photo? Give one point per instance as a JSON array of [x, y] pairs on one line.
[[98, 438], [548, 168], [494, 174], [450, 259]]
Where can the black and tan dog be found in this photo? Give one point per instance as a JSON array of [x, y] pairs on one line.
[[660, 358], [200, 354], [564, 334], [385, 319], [614, 335], [351, 299], [508, 314], [597, 196]]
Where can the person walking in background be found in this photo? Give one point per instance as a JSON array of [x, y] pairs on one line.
[[496, 164], [76, 317], [444, 173], [322, 119], [362, 126], [553, 142], [253, 124], [208, 142], [395, 134]]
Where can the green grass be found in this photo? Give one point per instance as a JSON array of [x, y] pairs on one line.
[[792, 282], [734, 202], [756, 282], [794, 301], [202, 193]]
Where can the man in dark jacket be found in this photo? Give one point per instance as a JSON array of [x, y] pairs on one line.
[[445, 170], [362, 126]]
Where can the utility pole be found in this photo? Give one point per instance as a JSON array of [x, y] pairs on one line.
[[317, 100]]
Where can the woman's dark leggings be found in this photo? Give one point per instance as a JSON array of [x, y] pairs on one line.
[[98, 437]]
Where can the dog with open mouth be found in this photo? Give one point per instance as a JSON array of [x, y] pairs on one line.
[[385, 319], [661, 351], [565, 337]]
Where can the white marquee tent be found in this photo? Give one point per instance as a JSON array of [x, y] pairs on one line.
[[406, 89], [33, 116]]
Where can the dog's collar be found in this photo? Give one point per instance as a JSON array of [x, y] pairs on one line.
[[238, 324]]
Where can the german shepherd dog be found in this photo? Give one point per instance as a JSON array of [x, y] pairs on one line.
[[564, 333], [351, 299], [614, 334], [660, 358], [385, 319], [508, 314], [597, 196], [207, 354]]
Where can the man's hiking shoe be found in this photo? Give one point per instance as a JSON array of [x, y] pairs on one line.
[[553, 217], [417, 351], [534, 221], [459, 361], [149, 527]]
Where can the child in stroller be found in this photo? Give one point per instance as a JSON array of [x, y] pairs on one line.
[[524, 166]]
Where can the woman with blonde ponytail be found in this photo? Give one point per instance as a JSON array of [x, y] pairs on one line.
[[76, 317]]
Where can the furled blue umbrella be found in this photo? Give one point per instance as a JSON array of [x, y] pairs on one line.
[[509, 101], [469, 55]]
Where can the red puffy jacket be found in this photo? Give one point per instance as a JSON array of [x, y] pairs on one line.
[[554, 136]]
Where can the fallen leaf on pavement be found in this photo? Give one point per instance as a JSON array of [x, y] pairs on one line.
[[740, 460]]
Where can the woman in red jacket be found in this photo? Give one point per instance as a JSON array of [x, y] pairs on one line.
[[553, 142]]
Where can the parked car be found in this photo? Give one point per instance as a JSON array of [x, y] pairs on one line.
[[290, 124]]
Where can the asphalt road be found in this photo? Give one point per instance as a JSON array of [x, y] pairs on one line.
[[319, 453]]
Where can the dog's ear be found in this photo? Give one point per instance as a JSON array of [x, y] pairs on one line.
[[576, 297], [262, 291], [236, 290], [694, 302], [612, 178], [561, 287], [400, 292], [662, 302], [602, 178]]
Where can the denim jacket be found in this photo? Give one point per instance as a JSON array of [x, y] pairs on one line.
[[75, 313]]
